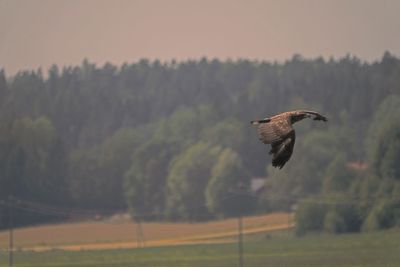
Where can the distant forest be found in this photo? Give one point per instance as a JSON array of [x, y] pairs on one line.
[[172, 141]]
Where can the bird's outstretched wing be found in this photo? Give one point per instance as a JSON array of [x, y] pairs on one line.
[[317, 116], [281, 151], [275, 129], [280, 134]]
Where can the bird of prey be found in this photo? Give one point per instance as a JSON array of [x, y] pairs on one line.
[[279, 133]]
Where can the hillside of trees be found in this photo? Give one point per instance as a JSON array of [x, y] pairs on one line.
[[172, 141]]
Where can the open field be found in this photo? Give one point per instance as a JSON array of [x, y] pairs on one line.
[[107, 243], [114, 233], [368, 250]]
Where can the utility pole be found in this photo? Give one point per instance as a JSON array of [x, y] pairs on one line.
[[240, 240], [140, 239], [11, 234]]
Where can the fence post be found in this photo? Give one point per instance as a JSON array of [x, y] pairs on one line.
[[11, 234], [240, 240]]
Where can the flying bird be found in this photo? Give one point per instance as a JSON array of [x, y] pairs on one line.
[[279, 133]]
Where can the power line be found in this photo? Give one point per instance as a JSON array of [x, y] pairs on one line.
[[43, 209]]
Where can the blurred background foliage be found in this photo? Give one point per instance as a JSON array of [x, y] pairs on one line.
[[172, 141]]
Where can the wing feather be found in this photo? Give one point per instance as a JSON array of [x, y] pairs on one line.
[[282, 151], [317, 116], [274, 131]]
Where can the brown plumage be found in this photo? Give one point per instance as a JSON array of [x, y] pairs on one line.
[[279, 133]]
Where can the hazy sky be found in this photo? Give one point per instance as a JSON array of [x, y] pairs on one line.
[[36, 33]]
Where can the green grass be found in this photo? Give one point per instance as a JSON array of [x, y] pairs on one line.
[[380, 249]]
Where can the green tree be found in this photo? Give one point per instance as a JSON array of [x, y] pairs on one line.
[[310, 216], [34, 145], [303, 174], [226, 133], [342, 214], [228, 191], [389, 153], [333, 213], [188, 177], [33, 165], [386, 117], [185, 125], [97, 174], [145, 180], [338, 177], [3, 88], [334, 223], [384, 214]]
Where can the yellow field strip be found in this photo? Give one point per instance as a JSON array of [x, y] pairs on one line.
[[222, 237], [109, 234]]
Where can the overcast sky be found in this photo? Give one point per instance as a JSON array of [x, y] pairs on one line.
[[39, 33]]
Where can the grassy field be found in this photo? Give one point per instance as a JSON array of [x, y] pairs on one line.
[[377, 249], [117, 233]]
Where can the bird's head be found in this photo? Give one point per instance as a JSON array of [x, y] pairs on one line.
[[320, 118]]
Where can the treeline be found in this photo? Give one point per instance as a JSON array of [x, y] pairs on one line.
[[172, 141], [356, 197]]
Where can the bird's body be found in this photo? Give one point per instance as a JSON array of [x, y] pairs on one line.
[[279, 133]]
